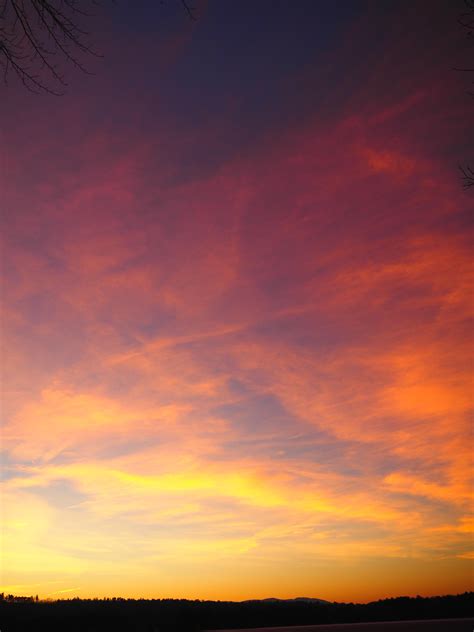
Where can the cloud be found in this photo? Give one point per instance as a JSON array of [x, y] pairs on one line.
[[250, 361]]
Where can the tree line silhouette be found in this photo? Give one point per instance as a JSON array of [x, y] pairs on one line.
[[18, 614]]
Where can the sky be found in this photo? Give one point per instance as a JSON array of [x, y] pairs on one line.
[[236, 286]]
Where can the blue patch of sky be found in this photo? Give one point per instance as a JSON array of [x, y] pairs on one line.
[[60, 493], [236, 72], [256, 415]]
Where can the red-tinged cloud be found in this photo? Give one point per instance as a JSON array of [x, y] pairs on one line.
[[259, 364]]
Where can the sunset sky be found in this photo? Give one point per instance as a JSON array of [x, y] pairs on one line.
[[237, 347]]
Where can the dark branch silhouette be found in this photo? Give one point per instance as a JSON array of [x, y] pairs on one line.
[[36, 35], [466, 20], [467, 176], [189, 10]]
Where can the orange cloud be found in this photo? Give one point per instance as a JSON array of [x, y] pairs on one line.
[[260, 369]]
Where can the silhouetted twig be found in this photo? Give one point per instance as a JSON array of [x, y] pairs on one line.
[[35, 34], [32, 33], [466, 20], [467, 176], [189, 10]]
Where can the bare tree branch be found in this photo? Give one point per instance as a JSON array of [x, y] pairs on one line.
[[35, 34], [466, 20], [467, 176], [189, 10]]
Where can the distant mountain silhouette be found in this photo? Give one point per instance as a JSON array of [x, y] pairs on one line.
[[311, 600], [294, 599]]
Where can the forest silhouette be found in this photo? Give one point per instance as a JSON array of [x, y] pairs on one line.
[[18, 614]]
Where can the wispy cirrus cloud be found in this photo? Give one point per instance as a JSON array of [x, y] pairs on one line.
[[249, 362]]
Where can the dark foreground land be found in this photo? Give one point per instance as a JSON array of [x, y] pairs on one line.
[[432, 625], [402, 614]]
